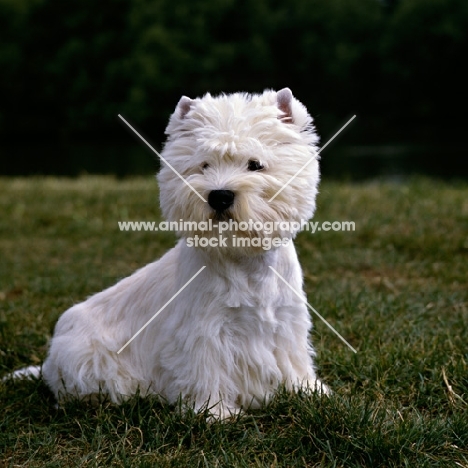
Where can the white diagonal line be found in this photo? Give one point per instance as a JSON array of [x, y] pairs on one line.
[[175, 172], [337, 133], [311, 159], [312, 309], [161, 309]]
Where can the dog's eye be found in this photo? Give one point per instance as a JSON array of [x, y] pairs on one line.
[[205, 166], [255, 165]]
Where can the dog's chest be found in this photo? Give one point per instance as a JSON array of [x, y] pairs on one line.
[[252, 292], [247, 321]]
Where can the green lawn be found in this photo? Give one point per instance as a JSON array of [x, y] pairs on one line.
[[396, 289]]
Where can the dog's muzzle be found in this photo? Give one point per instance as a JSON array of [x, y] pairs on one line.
[[220, 200]]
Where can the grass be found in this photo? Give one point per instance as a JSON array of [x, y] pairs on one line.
[[396, 289]]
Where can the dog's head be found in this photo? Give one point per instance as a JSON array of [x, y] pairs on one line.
[[252, 157]]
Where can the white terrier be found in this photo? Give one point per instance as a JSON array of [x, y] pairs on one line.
[[236, 331]]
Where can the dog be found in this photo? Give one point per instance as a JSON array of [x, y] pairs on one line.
[[226, 331]]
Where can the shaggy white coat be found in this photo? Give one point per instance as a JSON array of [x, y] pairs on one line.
[[236, 332]]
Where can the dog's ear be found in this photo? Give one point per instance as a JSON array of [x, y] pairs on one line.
[[184, 105], [284, 102]]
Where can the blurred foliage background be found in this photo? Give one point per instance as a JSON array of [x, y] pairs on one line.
[[67, 68]]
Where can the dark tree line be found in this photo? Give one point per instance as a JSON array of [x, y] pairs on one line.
[[67, 68]]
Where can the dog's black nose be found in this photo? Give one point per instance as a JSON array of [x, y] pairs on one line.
[[220, 200]]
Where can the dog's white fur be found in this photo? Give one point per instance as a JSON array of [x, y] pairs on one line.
[[236, 332]]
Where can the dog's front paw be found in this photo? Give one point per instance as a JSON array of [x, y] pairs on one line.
[[222, 413], [315, 386]]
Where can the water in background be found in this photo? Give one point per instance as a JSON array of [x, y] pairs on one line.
[[362, 162]]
